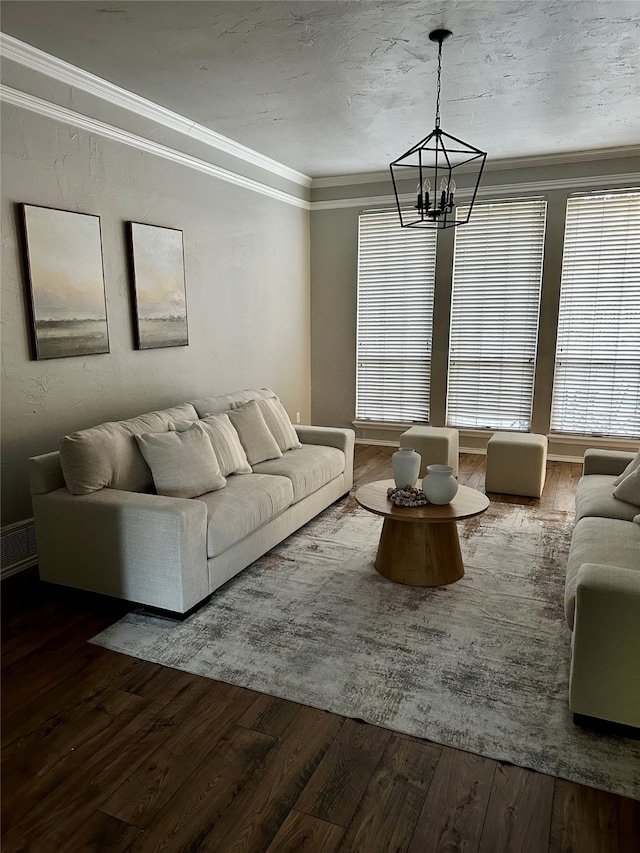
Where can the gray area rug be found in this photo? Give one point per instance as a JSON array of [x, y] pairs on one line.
[[481, 665]]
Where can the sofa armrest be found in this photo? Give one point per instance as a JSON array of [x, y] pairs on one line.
[[145, 548], [45, 473], [343, 439], [611, 462], [605, 661]]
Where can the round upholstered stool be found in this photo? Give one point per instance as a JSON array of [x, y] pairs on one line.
[[516, 463], [436, 446]]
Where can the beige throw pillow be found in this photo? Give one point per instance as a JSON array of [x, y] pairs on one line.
[[227, 446], [279, 424], [631, 467], [629, 489], [225, 440], [255, 437], [183, 464]]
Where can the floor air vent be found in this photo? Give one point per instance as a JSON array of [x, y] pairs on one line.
[[18, 547]]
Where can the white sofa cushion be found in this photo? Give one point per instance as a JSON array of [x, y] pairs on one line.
[[107, 456], [599, 540], [255, 436], [243, 506], [308, 468], [594, 498], [215, 405], [183, 464]]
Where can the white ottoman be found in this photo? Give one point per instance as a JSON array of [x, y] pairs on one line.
[[516, 463], [436, 446]]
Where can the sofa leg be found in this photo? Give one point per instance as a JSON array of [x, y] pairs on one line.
[[606, 727], [173, 614]]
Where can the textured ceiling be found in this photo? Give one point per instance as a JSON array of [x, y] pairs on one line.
[[332, 88]]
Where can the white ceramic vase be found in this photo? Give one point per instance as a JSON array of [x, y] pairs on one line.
[[440, 486], [406, 467]]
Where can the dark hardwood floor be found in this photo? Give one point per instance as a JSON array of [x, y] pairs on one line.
[[105, 752]]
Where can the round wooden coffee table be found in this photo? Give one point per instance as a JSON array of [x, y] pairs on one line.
[[420, 545]]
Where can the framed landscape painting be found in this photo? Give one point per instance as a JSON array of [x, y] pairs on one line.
[[157, 271], [63, 259]]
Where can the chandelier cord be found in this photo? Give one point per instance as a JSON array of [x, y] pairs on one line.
[[438, 86]]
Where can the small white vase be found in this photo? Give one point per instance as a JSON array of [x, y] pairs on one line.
[[406, 467], [440, 486]]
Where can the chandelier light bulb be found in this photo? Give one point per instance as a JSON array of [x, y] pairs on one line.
[[443, 194]]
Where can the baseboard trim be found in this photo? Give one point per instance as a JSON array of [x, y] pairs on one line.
[[10, 571], [382, 442], [478, 451]]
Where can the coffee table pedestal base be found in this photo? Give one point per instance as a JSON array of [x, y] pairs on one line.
[[420, 554]]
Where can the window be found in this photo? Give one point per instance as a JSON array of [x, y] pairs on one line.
[[495, 306], [396, 276], [597, 373]]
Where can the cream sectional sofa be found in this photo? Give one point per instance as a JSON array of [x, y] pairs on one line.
[[117, 536], [602, 592]]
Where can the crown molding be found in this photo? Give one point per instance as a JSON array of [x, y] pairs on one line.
[[539, 161], [630, 179], [37, 60], [62, 114]]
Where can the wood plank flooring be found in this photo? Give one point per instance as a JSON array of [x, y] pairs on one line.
[[102, 752]]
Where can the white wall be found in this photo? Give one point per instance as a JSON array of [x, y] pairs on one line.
[[247, 280]]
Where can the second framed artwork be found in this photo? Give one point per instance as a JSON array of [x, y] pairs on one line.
[[158, 282]]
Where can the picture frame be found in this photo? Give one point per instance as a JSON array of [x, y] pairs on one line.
[[156, 261], [65, 282]]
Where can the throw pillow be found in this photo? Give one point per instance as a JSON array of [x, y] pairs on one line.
[[227, 446], [629, 489], [183, 464], [255, 437], [631, 467], [280, 426], [226, 443], [636, 518]]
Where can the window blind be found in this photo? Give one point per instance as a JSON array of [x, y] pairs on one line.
[[396, 277], [597, 371], [495, 306]]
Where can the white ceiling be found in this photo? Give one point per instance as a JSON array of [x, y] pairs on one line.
[[332, 88]]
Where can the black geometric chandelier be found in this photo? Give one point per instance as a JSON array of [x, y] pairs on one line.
[[431, 163]]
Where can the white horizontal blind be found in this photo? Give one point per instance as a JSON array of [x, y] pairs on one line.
[[597, 375], [396, 277], [495, 307]]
